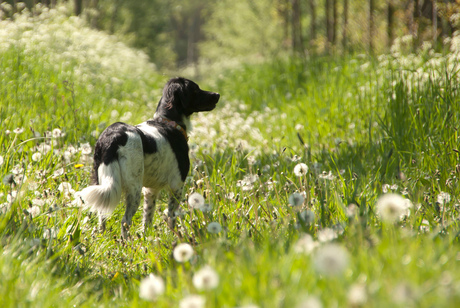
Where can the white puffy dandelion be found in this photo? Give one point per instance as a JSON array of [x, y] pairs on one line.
[[151, 287], [296, 199], [85, 148], [34, 211], [207, 207], [206, 279], [196, 200], [307, 216], [310, 301], [305, 244], [18, 130], [331, 260], [192, 301], [37, 156], [214, 227], [443, 198], [300, 169], [392, 207], [66, 189], [357, 295], [326, 235], [57, 133], [183, 252]]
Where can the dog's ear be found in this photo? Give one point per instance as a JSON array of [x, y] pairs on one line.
[[174, 93]]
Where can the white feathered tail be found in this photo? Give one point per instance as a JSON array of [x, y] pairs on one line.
[[105, 196]]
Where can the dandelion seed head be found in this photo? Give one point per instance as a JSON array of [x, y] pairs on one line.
[[85, 149], [196, 200], [151, 287], [34, 211], [392, 207], [37, 156], [57, 133], [192, 301], [300, 170], [310, 301], [307, 216], [214, 227], [183, 252], [305, 244], [18, 130], [296, 199], [443, 198], [357, 295], [326, 235], [331, 260], [206, 279]]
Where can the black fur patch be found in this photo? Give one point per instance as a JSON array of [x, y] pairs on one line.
[[114, 136], [178, 144]]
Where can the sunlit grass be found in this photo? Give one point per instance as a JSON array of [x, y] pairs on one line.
[[364, 127]]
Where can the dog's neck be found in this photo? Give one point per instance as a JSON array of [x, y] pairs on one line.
[[183, 125]]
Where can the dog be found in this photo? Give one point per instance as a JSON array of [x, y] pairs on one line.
[[146, 158]]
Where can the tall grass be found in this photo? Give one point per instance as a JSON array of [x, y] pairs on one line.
[[363, 126]]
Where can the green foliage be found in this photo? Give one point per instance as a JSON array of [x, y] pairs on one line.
[[362, 126]]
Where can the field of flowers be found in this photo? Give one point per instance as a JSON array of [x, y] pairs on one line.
[[315, 183]]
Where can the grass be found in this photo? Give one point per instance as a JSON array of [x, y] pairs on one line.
[[361, 125]]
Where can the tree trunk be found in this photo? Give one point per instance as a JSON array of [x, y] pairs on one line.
[[78, 7], [313, 21], [334, 22], [435, 24], [297, 42], [371, 26], [345, 26], [390, 16]]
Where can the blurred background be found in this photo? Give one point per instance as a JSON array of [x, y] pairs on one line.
[[184, 33]]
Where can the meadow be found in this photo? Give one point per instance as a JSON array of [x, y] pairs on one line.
[[326, 182]]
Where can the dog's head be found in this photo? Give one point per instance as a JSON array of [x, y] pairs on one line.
[[186, 97]]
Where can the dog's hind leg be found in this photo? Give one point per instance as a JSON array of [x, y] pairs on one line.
[[150, 197], [173, 205], [102, 221], [133, 198]]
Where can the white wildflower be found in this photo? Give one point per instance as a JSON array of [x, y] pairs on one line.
[[331, 260], [300, 169], [196, 200], [192, 301], [206, 279], [66, 189], [50, 233], [151, 287], [392, 207], [183, 252]]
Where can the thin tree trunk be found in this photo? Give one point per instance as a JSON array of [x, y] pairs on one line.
[[297, 42], [345, 26], [78, 7], [334, 22], [313, 21], [435, 24], [390, 16], [371, 26], [328, 25]]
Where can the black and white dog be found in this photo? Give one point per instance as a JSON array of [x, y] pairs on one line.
[[147, 157]]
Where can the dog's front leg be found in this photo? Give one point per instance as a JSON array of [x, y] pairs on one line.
[[173, 205]]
